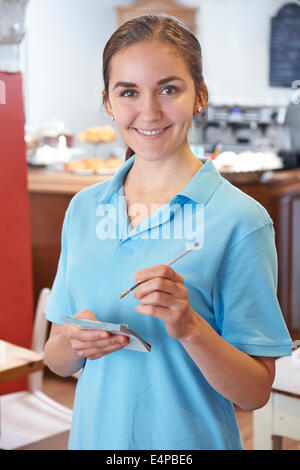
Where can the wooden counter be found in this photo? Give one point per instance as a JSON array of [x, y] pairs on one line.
[[62, 182], [47, 181], [51, 192]]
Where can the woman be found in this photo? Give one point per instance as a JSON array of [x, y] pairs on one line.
[[213, 321]]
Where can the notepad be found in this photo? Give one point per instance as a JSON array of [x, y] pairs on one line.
[[136, 342]]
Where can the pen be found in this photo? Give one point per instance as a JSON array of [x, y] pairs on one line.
[[171, 261]]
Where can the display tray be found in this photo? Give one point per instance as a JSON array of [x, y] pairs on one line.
[[88, 171], [243, 177]]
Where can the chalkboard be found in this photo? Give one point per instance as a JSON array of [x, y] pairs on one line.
[[285, 46]]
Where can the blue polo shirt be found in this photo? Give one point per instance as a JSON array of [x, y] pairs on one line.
[[161, 400]]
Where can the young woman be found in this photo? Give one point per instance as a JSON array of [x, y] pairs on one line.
[[213, 318]]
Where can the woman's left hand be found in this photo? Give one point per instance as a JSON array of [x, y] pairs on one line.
[[163, 295]]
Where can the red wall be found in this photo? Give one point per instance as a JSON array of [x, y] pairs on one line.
[[16, 291]]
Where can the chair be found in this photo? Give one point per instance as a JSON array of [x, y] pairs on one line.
[[30, 420], [280, 417]]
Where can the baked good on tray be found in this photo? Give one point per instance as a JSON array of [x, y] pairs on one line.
[[75, 165], [93, 164], [97, 134], [113, 162]]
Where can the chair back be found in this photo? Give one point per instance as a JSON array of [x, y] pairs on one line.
[[39, 337]]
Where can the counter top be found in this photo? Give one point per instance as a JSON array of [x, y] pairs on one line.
[[41, 180], [64, 182]]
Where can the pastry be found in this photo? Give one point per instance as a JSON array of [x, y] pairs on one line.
[[94, 163], [113, 162], [75, 165], [97, 134]]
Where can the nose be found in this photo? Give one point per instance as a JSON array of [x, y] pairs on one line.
[[150, 110]]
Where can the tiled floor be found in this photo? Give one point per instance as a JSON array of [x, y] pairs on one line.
[[63, 389]]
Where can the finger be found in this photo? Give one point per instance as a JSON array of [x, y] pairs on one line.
[[115, 345], [86, 315], [115, 340], [95, 353], [104, 353], [87, 335], [163, 300], [161, 284], [99, 343], [158, 271], [151, 310]]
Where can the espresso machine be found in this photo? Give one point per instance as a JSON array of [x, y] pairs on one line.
[[243, 128]]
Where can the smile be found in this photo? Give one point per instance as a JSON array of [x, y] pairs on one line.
[[151, 133]]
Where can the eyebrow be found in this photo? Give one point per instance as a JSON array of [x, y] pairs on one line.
[[160, 82], [171, 78]]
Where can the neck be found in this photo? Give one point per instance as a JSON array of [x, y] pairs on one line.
[[158, 175]]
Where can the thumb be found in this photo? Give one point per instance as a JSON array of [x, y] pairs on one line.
[[86, 315]]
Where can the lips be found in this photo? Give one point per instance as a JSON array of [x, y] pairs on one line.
[[151, 132]]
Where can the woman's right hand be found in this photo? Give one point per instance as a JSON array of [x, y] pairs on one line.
[[92, 344]]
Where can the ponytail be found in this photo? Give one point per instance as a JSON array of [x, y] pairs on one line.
[[129, 153]]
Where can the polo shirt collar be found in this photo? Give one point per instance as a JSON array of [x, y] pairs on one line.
[[199, 189], [203, 184], [115, 183]]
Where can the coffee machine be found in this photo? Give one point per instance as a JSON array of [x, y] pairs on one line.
[[242, 128]]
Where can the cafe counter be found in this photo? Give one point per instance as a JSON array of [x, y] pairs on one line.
[[51, 191]]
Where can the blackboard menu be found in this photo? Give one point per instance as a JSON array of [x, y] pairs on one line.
[[285, 46]]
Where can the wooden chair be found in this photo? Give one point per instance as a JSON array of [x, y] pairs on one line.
[[280, 417], [30, 420]]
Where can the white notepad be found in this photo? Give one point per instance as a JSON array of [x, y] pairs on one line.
[[136, 342]]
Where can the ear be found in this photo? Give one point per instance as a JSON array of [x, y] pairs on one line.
[[106, 103], [201, 99]]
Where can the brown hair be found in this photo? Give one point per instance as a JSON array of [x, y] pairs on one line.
[[161, 27]]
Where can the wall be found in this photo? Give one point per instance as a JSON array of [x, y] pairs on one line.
[[62, 57], [16, 290], [65, 39], [235, 35]]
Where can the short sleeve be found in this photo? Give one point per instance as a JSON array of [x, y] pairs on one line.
[[57, 304], [245, 300]]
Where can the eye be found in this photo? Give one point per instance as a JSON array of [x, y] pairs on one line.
[[128, 93], [169, 90]]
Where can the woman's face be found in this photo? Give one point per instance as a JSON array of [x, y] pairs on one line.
[[152, 98]]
